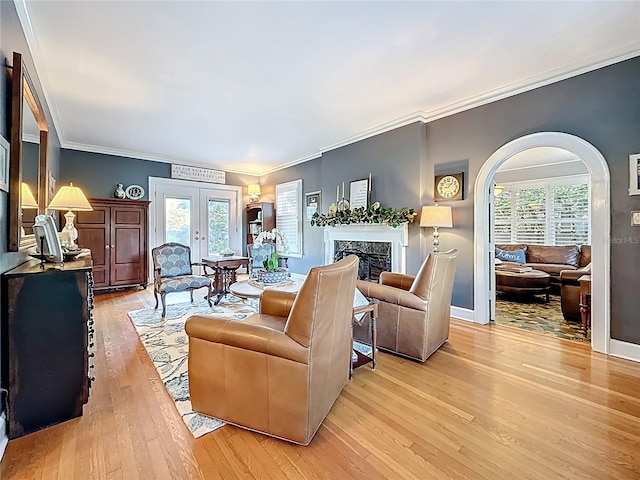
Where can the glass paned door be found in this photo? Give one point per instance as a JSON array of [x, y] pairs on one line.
[[177, 225], [219, 220], [217, 213]]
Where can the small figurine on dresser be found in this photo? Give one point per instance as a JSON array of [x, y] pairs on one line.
[[119, 192]]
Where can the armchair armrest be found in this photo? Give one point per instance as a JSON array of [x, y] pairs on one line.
[[276, 302], [572, 275], [247, 336], [393, 295], [397, 280]]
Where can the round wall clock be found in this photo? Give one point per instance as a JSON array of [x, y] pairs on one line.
[[448, 187], [134, 192]]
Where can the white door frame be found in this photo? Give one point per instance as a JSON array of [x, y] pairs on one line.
[[600, 236], [155, 181]]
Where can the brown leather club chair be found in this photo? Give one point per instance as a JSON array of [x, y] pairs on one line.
[[570, 293], [413, 315], [279, 371]]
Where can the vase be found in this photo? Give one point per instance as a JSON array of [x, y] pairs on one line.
[[273, 277], [119, 192]]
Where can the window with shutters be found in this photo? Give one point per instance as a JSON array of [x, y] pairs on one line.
[[554, 212], [289, 215]]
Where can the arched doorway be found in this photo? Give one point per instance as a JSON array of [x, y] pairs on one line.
[[600, 215]]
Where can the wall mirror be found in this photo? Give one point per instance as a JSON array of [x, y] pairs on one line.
[[28, 160]]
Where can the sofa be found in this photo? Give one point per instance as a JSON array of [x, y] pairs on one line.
[[553, 259], [570, 293]]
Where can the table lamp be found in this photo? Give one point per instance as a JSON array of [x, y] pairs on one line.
[[254, 193], [27, 201], [436, 216], [70, 198]]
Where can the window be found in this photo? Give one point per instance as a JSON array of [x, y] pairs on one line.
[[289, 215], [554, 212]]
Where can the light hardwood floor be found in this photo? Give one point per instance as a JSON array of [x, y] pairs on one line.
[[491, 403]]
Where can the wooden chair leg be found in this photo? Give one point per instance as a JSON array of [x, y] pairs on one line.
[[209, 295], [191, 292], [155, 294], [164, 304]]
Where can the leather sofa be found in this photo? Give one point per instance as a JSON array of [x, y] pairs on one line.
[[553, 259]]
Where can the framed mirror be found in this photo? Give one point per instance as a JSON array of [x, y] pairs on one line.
[[28, 158]]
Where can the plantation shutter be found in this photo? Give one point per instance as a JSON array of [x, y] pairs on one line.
[[530, 216], [289, 215], [571, 212], [502, 222]]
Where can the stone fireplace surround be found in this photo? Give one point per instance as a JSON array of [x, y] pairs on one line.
[[397, 236]]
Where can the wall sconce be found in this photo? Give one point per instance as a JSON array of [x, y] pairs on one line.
[[254, 193], [70, 198], [436, 216]]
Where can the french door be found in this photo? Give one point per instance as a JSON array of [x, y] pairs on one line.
[[204, 217]]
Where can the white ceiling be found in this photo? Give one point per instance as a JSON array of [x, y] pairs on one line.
[[253, 86]]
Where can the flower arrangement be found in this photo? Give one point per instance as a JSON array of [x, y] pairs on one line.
[[277, 236], [375, 213]]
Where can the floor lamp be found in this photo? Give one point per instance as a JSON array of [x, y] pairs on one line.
[[436, 216], [70, 198]]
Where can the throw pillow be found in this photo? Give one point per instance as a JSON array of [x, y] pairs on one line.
[[516, 256]]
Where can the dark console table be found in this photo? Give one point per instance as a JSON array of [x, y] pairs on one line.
[[46, 335], [224, 272]]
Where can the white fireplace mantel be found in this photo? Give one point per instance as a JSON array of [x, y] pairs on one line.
[[370, 232]]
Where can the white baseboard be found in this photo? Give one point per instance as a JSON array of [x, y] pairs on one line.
[[626, 350], [463, 314], [4, 438]]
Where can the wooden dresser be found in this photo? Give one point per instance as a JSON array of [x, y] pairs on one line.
[[47, 335], [116, 233]]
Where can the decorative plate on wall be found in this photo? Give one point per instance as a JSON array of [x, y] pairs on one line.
[[134, 192]]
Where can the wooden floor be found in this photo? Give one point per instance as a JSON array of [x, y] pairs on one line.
[[492, 403]]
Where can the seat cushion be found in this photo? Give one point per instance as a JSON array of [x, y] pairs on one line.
[[183, 282]]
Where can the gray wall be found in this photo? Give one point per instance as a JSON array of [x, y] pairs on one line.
[[12, 39], [602, 107], [394, 160], [98, 174]]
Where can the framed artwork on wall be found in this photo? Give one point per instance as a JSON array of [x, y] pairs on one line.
[[312, 204], [4, 164], [634, 174], [359, 193], [448, 187]]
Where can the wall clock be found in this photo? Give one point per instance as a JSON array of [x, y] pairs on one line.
[[448, 187]]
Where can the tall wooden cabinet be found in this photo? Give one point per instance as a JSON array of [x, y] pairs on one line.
[[261, 217], [46, 335], [116, 233]]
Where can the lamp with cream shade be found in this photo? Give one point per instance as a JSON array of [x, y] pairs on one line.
[[70, 198], [254, 192], [436, 216], [27, 201]]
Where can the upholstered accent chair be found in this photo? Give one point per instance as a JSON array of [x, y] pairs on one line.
[[172, 272], [279, 371], [257, 255], [413, 311]]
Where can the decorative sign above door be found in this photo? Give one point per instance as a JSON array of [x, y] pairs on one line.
[[184, 172]]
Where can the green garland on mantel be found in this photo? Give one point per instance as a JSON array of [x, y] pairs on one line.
[[373, 214]]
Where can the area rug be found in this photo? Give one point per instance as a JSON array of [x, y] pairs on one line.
[[167, 344], [535, 315]]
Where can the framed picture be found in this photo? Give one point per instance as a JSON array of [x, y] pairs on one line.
[[312, 203], [359, 193], [4, 164], [448, 187], [634, 174]]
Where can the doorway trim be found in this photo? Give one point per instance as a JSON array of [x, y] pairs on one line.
[[600, 216]]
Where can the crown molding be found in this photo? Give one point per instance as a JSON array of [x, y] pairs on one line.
[[291, 164], [41, 74], [84, 147]]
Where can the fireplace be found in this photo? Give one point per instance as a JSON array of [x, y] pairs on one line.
[[375, 257], [379, 247]]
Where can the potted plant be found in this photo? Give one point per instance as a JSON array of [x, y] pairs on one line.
[[272, 272]]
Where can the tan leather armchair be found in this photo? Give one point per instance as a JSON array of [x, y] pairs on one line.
[[277, 372], [413, 315]]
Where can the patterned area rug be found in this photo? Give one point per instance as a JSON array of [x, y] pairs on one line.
[[534, 314], [167, 344]]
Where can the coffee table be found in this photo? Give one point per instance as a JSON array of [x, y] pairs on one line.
[[531, 282], [254, 289]]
